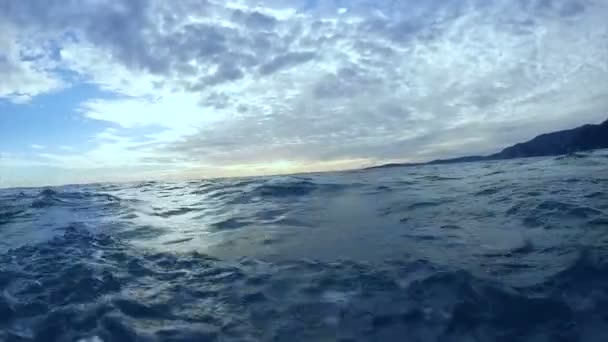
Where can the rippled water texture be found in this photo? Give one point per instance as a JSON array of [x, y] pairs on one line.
[[494, 251]]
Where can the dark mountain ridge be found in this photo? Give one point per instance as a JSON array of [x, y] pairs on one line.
[[583, 138]]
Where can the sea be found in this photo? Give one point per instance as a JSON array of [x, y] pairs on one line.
[[511, 250]]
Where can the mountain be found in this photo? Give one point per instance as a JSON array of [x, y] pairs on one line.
[[458, 160], [584, 138]]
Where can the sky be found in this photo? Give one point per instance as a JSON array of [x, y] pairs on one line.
[[121, 90]]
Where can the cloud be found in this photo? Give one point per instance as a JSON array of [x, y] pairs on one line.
[[37, 147], [25, 69], [440, 81], [242, 82], [286, 61]]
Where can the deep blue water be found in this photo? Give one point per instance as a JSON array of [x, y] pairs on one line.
[[494, 251]]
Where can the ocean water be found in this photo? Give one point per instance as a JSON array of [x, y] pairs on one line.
[[494, 251]]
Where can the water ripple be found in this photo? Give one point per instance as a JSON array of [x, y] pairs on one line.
[[497, 251]]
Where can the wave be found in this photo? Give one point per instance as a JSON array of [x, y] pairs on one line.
[[9, 214], [573, 156], [49, 197], [176, 212], [275, 190], [462, 255], [229, 224], [435, 178], [56, 291], [548, 211], [490, 191], [288, 189]]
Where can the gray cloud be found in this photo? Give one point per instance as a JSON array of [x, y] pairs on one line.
[[383, 79], [255, 20], [346, 82], [286, 61], [22, 78], [153, 36]]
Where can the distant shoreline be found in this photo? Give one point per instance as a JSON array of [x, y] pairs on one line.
[[579, 139]]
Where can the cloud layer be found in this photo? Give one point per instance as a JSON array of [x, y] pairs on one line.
[[313, 83]]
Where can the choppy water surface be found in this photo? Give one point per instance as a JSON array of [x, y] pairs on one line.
[[496, 251]]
